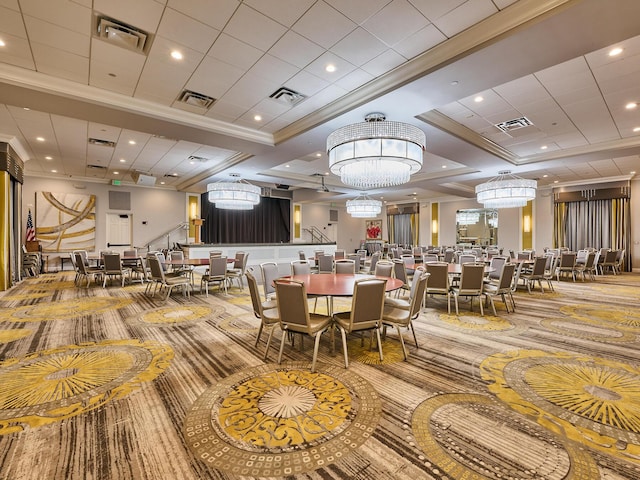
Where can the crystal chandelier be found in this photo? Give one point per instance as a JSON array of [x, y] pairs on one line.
[[375, 153], [235, 195], [364, 207], [506, 191]]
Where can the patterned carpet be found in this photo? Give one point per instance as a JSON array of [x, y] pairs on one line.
[[111, 384]]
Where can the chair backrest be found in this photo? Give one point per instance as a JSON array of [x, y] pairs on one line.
[[217, 267], [112, 262], [582, 254], [215, 253], [590, 260], [524, 255], [239, 260], [567, 260], [367, 304], [506, 276], [466, 258], [418, 287], [539, 265], [516, 276], [471, 279], [130, 253], [300, 267], [339, 254], [269, 272], [408, 259], [448, 255], [345, 265], [157, 272], [79, 263], [438, 276], [419, 271], [291, 297], [384, 268], [325, 264], [399, 270], [548, 267], [429, 258], [375, 257], [497, 263], [302, 255], [83, 255], [255, 295]]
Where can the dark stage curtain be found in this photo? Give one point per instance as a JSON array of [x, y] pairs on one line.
[[268, 222]]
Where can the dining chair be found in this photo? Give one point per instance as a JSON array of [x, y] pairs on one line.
[[238, 271], [269, 272], [85, 271], [300, 267], [345, 265], [113, 268], [384, 268], [567, 265], [502, 288], [400, 272], [402, 299], [587, 268], [430, 258], [495, 264], [471, 285], [161, 281], [267, 312], [367, 306], [375, 258], [402, 314], [215, 275], [339, 253], [325, 263], [438, 283], [536, 274], [293, 312], [550, 269]]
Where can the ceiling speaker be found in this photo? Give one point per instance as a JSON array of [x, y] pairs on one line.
[[142, 179]]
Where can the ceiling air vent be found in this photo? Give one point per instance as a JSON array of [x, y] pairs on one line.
[[171, 175], [287, 96], [515, 124], [97, 167], [195, 159], [102, 143], [121, 34], [196, 99]]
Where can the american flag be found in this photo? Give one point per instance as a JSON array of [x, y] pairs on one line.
[[31, 231]]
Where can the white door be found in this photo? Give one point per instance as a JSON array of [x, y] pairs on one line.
[[119, 232]]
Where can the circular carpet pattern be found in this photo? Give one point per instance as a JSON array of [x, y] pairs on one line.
[[622, 317], [176, 315], [239, 324], [25, 296], [51, 385], [64, 309], [278, 420], [391, 351], [473, 321], [591, 400], [473, 436], [7, 336], [580, 329]]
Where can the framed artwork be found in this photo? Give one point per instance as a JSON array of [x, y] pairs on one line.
[[65, 221], [374, 229]]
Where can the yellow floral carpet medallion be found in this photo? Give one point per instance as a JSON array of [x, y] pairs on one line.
[[179, 315], [471, 436], [278, 420], [473, 321], [64, 309], [49, 386], [606, 333], [623, 317], [591, 400]]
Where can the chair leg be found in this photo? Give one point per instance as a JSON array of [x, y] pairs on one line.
[[315, 351], [455, 297], [266, 350], [404, 349], [284, 332], [344, 347], [415, 339], [380, 344], [493, 305], [259, 333], [481, 307]]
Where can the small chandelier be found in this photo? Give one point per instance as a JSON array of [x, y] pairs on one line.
[[364, 207], [375, 153], [234, 195], [506, 191]]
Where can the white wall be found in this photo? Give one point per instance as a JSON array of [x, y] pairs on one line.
[[346, 232], [160, 209]]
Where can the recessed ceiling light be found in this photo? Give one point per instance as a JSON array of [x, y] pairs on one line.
[[631, 105], [545, 176], [48, 157], [2, 44], [555, 181], [444, 166], [455, 82], [543, 147], [633, 172], [330, 68], [615, 51], [26, 108], [478, 99], [161, 183], [176, 54], [122, 160], [192, 162], [257, 118], [116, 173], [637, 129], [40, 139], [132, 142], [287, 166], [54, 171]]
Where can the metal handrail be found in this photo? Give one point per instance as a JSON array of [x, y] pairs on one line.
[[167, 234]]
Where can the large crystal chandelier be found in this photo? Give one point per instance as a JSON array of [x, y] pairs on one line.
[[364, 207], [235, 195], [506, 191], [375, 153]]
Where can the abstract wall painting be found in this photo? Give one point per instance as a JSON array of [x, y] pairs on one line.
[[65, 221]]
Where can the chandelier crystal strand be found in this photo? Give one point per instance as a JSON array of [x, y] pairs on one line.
[[235, 195], [375, 153], [506, 191], [364, 207]]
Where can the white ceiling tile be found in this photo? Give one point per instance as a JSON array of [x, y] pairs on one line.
[[12, 4], [395, 22], [359, 47], [215, 14], [83, 3], [296, 49], [358, 10], [354, 79], [628, 163], [162, 80], [226, 110], [213, 77], [318, 67], [125, 64], [234, 52], [17, 52], [570, 140], [11, 24], [286, 12], [502, 4], [250, 90], [422, 40], [324, 25], [383, 63], [434, 9], [143, 14], [273, 69], [465, 16], [65, 14], [305, 83], [593, 119], [187, 31], [523, 91], [58, 37], [60, 63], [253, 28]]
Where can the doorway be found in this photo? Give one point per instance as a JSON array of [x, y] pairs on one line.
[[119, 233]]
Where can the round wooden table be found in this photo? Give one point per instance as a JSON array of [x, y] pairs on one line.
[[339, 284]]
